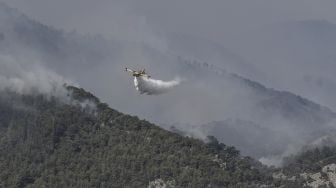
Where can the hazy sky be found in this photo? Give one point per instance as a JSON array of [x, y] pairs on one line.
[[212, 18]]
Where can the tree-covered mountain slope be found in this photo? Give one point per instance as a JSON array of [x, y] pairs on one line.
[[81, 142], [313, 167]]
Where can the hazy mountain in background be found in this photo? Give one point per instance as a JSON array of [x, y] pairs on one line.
[[296, 56], [26, 38], [204, 50], [274, 123]]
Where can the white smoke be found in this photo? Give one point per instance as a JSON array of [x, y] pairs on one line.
[[30, 78], [154, 87]]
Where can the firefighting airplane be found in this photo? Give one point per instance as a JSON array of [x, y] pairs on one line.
[[141, 73]]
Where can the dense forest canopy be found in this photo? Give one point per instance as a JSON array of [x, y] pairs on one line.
[[48, 143]]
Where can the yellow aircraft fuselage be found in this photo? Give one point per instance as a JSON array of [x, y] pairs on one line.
[[137, 73]]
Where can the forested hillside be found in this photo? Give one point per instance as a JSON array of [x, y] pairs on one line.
[[77, 141], [81, 142]]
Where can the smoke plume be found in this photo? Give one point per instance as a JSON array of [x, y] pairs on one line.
[[30, 78], [154, 87]]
